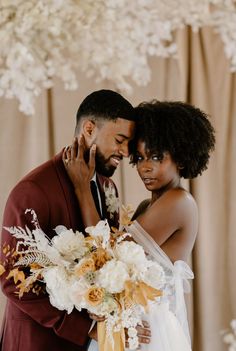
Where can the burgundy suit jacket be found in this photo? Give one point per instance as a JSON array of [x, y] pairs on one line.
[[32, 323]]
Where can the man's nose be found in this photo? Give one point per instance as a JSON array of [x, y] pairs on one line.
[[124, 150]]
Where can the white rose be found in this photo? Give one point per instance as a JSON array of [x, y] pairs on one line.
[[132, 254], [112, 276]]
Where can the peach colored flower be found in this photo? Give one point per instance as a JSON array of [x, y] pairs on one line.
[[95, 296], [84, 267], [2, 269], [100, 257]]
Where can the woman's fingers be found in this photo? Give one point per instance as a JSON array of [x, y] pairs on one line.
[[92, 154], [81, 147], [66, 156], [74, 148]]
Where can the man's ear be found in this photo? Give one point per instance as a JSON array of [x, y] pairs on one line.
[[88, 128]]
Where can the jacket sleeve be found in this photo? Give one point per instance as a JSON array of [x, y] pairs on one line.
[[24, 196]]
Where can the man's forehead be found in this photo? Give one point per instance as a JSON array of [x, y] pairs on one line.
[[121, 126]]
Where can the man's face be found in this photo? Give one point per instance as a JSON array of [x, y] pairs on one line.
[[112, 139]]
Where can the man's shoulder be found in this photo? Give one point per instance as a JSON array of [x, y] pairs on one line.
[[43, 176], [44, 169]]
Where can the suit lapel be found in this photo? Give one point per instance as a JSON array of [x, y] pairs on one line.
[[73, 210]]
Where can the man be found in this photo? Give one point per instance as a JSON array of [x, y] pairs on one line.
[[32, 323]]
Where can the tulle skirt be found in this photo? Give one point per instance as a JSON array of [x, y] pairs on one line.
[[167, 333]]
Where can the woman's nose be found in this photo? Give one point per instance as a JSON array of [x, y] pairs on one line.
[[146, 166]]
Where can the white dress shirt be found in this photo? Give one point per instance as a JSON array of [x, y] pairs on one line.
[[93, 346]]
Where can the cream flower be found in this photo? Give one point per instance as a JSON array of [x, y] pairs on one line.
[[112, 276], [85, 265], [112, 201], [154, 276], [58, 286], [101, 230], [77, 293], [71, 245]]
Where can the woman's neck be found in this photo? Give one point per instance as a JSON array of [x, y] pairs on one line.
[[156, 194]]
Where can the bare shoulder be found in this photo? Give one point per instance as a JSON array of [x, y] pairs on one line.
[[175, 223], [178, 206], [179, 198]]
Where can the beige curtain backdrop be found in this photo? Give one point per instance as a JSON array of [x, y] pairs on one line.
[[200, 75]]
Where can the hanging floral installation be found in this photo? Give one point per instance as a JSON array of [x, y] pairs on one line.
[[107, 39]]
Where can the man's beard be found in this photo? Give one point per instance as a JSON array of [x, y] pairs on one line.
[[101, 164]]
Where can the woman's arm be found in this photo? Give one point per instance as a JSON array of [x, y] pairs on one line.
[[172, 221], [80, 174]]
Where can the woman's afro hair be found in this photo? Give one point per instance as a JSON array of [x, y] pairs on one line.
[[178, 128]]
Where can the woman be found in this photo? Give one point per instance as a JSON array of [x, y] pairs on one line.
[[173, 140]]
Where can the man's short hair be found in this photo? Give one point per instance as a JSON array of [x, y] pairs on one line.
[[105, 104]]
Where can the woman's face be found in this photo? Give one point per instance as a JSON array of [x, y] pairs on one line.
[[157, 174]]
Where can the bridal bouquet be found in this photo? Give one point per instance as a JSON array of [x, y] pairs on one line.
[[102, 272]]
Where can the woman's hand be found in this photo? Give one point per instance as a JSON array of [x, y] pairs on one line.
[[79, 171]]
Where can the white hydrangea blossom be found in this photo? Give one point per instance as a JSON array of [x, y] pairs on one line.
[[108, 39]]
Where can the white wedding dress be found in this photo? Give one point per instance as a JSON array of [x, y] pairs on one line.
[[168, 320]]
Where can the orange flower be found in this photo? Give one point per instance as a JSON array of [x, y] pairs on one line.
[[16, 275], [125, 215], [85, 267], [2, 269], [95, 295], [100, 257]]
